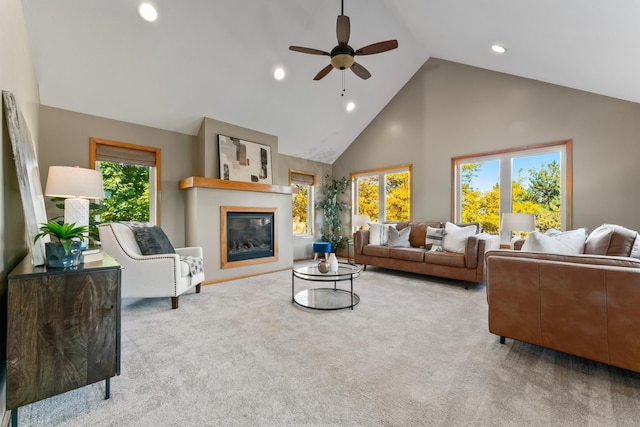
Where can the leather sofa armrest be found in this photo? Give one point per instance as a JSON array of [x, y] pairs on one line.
[[476, 247], [361, 239]]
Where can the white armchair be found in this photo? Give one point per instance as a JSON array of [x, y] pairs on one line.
[[149, 276]]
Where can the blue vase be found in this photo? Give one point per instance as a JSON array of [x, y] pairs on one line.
[[57, 257]]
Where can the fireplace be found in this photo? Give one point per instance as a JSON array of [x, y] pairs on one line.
[[248, 235]]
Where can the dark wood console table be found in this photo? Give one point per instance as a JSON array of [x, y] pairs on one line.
[[63, 330]]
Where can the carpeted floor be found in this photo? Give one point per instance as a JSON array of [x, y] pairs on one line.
[[415, 351]]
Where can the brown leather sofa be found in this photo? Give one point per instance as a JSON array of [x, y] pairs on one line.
[[468, 266], [587, 305]]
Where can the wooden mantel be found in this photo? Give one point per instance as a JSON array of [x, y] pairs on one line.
[[198, 181]]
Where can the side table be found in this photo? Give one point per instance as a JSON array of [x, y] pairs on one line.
[[63, 330]]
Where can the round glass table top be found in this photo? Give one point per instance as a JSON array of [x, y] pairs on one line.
[[311, 272]]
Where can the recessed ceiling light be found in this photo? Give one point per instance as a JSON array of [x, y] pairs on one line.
[[278, 74], [498, 48], [147, 12], [351, 106]]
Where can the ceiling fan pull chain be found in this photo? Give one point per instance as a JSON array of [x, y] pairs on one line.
[[343, 88]]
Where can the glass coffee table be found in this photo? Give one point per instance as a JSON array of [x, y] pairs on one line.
[[326, 298]]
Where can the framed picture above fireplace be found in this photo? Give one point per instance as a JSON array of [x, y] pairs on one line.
[[244, 161]]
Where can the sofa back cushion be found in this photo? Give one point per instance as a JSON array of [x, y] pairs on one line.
[[612, 240], [418, 234]]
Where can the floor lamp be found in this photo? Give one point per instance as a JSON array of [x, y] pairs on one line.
[[77, 185]]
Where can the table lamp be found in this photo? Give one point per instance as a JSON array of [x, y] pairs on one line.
[[77, 185], [517, 222], [360, 221]]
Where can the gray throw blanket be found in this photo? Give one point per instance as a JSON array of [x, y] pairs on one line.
[[195, 264]]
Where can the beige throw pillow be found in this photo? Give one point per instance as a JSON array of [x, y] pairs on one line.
[[379, 233], [455, 238]]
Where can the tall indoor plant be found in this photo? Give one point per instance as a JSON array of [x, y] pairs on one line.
[[332, 209]]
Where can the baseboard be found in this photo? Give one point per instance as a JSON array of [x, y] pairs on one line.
[[244, 276]]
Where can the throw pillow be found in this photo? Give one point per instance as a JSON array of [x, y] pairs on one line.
[[455, 238], [565, 243], [434, 238], [152, 240], [399, 239], [379, 233]]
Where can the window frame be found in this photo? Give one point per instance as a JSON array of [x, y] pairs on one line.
[[566, 185], [154, 171], [311, 227], [380, 173]]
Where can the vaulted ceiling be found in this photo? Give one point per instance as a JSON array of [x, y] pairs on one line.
[[216, 58]]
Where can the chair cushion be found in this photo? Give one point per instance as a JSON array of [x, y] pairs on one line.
[[152, 240]]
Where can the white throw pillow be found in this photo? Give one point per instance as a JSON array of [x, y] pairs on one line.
[[455, 238], [399, 239], [566, 243], [433, 242], [379, 233]]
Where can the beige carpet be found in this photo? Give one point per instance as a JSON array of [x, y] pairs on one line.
[[415, 351]]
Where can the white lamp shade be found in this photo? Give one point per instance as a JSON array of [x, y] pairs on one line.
[[66, 181], [360, 220], [518, 222]]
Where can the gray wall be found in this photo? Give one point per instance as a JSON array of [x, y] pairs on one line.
[[65, 142], [449, 109], [16, 75]]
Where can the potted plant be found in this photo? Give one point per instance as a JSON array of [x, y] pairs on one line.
[[64, 252], [332, 208]]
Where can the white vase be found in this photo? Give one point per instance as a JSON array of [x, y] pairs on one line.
[[333, 262]]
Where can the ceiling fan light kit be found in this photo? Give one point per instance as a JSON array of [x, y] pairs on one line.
[[343, 55]]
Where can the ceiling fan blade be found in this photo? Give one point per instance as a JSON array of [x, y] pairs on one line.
[[360, 71], [309, 50], [377, 47], [323, 72], [343, 29]]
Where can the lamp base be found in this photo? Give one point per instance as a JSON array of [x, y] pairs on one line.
[[76, 211]]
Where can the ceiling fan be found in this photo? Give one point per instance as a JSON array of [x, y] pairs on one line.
[[343, 55]]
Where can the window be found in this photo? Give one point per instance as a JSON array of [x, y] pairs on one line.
[[383, 194], [302, 202], [131, 176], [534, 179]]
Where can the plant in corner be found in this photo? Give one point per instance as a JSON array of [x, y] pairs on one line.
[[332, 209], [69, 239]]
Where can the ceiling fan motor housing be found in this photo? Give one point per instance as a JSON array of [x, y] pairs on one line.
[[342, 57]]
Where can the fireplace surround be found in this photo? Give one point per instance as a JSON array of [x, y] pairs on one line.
[[248, 235]]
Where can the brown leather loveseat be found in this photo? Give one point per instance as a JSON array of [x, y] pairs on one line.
[[586, 304], [467, 266]]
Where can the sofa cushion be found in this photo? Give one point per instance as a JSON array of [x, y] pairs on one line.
[[567, 242], [399, 239], [379, 233], [598, 241], [433, 241], [450, 259], [376, 250], [408, 254], [622, 241], [455, 237]]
